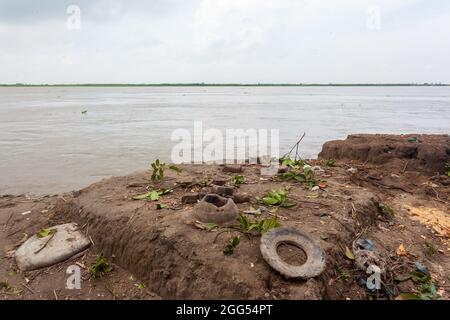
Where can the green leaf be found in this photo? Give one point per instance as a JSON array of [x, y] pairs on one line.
[[211, 226], [175, 168], [349, 254], [231, 245], [160, 206], [408, 296], [43, 233], [238, 180], [100, 267], [154, 196], [142, 196], [140, 286], [331, 163]]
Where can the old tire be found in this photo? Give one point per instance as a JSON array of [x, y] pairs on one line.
[[315, 262]]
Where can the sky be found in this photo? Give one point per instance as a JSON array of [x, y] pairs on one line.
[[224, 41]]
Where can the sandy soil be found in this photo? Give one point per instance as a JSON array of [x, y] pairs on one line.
[[167, 252]]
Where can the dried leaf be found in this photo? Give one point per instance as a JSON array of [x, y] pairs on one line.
[[349, 254], [401, 251]]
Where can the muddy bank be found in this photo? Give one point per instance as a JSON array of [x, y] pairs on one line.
[[161, 243], [423, 153]]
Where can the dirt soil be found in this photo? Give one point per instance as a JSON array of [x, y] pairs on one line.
[[165, 253]]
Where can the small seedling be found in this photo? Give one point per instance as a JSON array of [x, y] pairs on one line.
[[160, 206], [447, 169], [140, 286], [431, 247], [343, 273], [305, 176], [257, 226], [386, 210], [238, 180], [331, 163], [211, 226], [43, 233], [231, 245], [277, 198], [100, 267], [158, 170], [152, 195], [175, 168], [293, 164]]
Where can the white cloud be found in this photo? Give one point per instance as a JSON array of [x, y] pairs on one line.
[[228, 41]]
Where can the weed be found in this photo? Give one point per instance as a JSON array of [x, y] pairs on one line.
[[386, 210], [331, 163], [305, 176], [237, 180], [140, 286], [231, 245], [431, 247], [175, 168], [158, 170], [159, 167], [343, 273], [293, 164], [277, 198], [427, 289], [152, 195], [257, 226], [160, 206], [43, 233], [100, 267], [447, 169]]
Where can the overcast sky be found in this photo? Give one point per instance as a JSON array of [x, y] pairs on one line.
[[223, 41]]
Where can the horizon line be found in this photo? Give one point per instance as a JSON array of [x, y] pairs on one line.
[[203, 84]]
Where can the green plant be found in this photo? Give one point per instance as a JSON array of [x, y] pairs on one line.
[[257, 226], [306, 175], [152, 195], [175, 168], [331, 163], [294, 164], [343, 273], [431, 247], [43, 233], [447, 169], [160, 206], [386, 210], [100, 267], [427, 289], [277, 198], [231, 245], [140, 286], [237, 180], [158, 170]]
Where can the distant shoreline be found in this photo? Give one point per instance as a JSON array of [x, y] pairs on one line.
[[230, 85]]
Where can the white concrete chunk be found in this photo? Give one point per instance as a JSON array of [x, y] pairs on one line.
[[37, 252]]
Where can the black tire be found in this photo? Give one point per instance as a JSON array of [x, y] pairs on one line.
[[315, 262]]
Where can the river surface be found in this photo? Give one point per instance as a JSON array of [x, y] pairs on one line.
[[48, 144]]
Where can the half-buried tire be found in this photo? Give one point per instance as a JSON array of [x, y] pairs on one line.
[[315, 261]]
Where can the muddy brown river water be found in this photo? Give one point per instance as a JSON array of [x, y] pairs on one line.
[[48, 145]]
